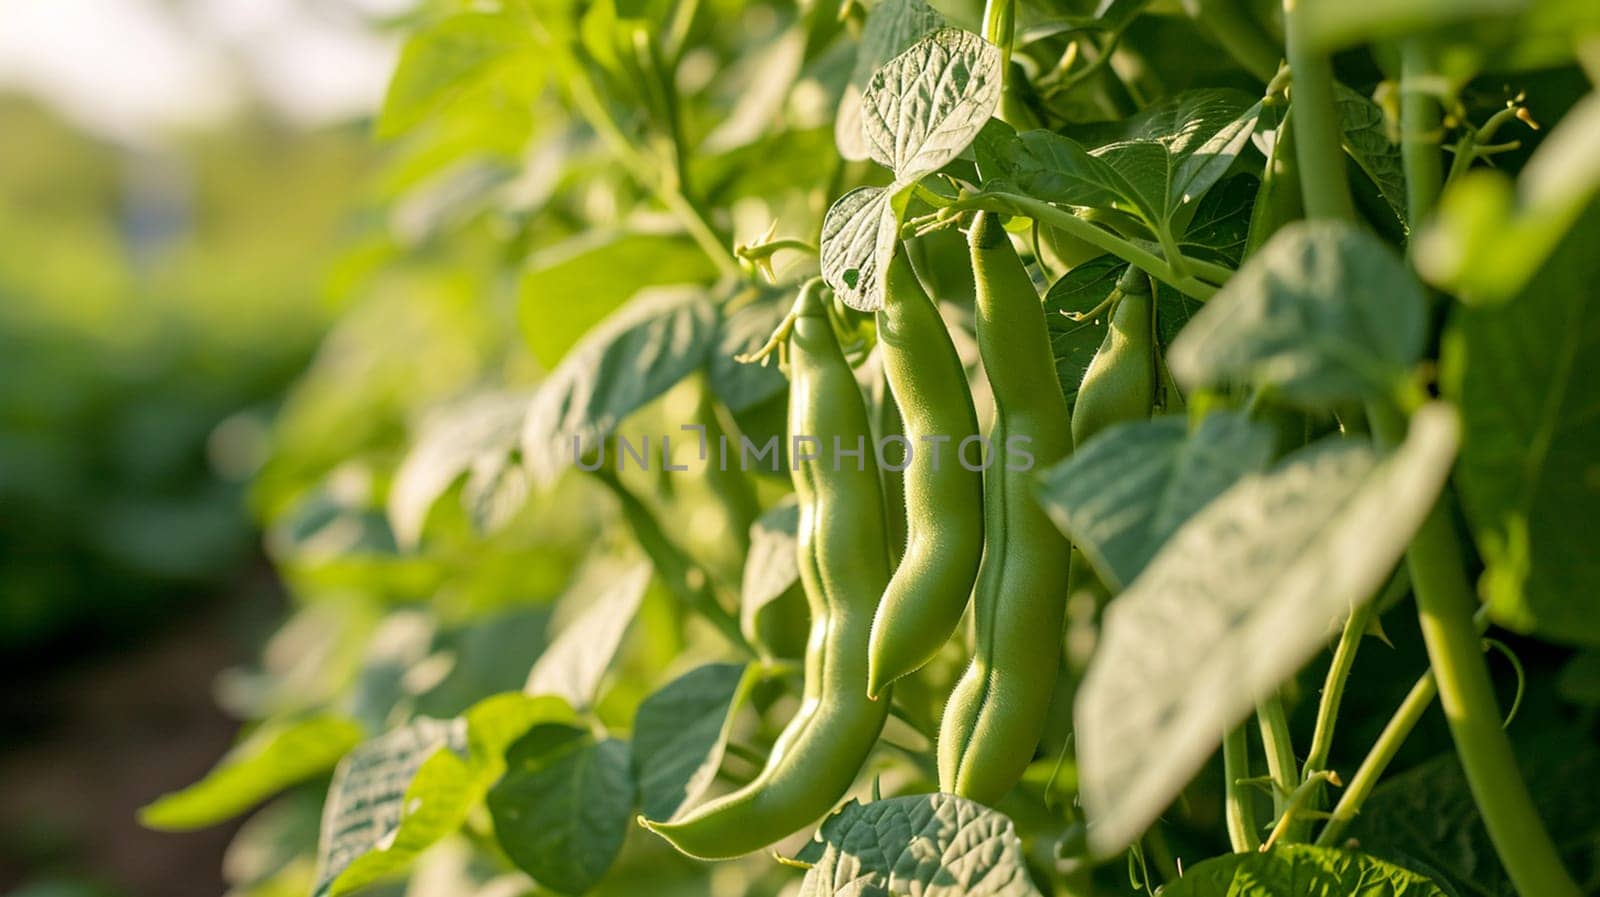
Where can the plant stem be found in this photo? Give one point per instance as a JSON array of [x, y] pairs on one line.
[[1317, 138], [1240, 801], [1419, 133], [1445, 603], [667, 190], [1242, 38], [1344, 658], [1378, 758], [1275, 740], [1302, 796], [1045, 213]]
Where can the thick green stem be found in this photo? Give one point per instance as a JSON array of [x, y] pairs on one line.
[[1240, 800], [1419, 133], [1236, 33], [1279, 747], [1045, 213], [1445, 604], [1316, 121]]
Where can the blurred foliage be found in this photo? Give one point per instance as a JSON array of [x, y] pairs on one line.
[[152, 309]]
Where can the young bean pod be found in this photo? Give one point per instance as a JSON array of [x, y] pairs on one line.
[[997, 711], [844, 567], [1120, 384], [943, 490]]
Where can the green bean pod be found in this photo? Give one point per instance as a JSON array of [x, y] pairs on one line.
[[943, 490], [1120, 384], [844, 567], [996, 713]]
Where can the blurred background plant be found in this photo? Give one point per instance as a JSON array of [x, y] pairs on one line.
[[175, 179]]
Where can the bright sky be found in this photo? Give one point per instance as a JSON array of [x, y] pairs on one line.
[[134, 70]]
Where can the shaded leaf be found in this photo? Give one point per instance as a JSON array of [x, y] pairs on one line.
[[771, 568], [679, 734], [1428, 812], [1323, 313], [1366, 142], [1300, 870], [1525, 377], [1238, 599], [564, 806]]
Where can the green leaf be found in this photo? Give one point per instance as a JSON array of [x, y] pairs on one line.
[[564, 806], [1323, 313], [679, 734], [743, 386], [1121, 496], [1491, 238], [1524, 375], [393, 797], [1220, 226], [1300, 870], [925, 845], [771, 567], [892, 26], [1236, 601], [657, 339], [927, 104], [858, 238], [390, 799], [1156, 164], [1366, 142], [274, 757], [1074, 343], [458, 57], [569, 288], [1428, 812], [576, 662], [475, 434]]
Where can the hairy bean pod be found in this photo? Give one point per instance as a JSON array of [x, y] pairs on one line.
[[996, 713], [844, 567], [943, 492]]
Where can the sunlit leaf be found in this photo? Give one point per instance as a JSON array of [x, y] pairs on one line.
[[576, 662], [892, 26], [273, 758], [926, 105], [926, 845], [657, 339]]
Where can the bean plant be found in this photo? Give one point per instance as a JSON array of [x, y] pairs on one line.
[[1042, 448]]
